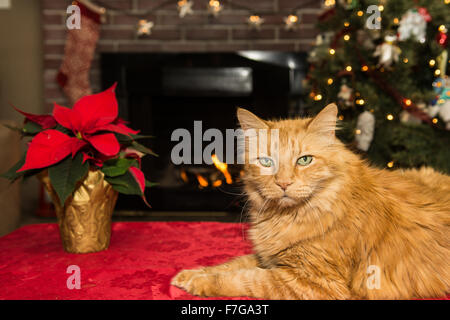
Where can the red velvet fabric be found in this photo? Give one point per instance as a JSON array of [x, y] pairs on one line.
[[139, 264]]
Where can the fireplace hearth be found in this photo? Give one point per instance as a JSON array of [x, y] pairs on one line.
[[159, 93]]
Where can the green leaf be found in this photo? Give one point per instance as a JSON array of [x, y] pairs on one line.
[[11, 174], [142, 148], [122, 138], [117, 167], [150, 184], [31, 128], [65, 175], [125, 184]]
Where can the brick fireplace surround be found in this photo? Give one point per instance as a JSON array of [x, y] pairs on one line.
[[195, 33]]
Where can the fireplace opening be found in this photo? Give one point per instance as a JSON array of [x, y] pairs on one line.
[[159, 93]]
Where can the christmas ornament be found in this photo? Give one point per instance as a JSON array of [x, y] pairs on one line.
[[387, 52], [345, 95], [255, 22], [185, 8], [291, 22], [324, 38], [144, 27], [73, 75], [406, 117], [441, 105], [365, 127], [214, 7], [412, 25], [442, 37]]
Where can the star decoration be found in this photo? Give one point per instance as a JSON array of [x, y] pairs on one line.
[[144, 27], [214, 7], [255, 21], [185, 8], [291, 22]]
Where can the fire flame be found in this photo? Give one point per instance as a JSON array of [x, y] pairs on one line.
[[184, 176], [222, 167], [202, 181], [217, 183]]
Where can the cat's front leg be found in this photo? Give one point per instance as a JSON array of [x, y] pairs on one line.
[[242, 262], [259, 283]]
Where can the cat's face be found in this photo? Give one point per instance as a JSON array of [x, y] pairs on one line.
[[297, 164]]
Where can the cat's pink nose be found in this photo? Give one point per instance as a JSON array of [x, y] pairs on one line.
[[283, 184]]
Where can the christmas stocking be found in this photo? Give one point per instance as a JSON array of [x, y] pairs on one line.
[[73, 75]]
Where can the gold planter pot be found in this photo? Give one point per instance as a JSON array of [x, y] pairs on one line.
[[85, 219]]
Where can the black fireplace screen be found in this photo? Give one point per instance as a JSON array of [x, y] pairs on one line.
[[159, 93]]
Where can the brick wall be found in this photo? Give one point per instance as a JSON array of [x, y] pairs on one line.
[[194, 33]]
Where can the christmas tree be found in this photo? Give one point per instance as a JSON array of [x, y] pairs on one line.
[[384, 63]]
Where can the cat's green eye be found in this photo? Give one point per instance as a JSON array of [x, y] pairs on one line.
[[266, 162], [305, 160]]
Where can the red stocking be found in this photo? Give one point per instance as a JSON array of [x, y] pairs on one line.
[[73, 75]]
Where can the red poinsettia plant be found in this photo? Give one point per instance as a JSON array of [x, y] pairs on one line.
[[89, 136]]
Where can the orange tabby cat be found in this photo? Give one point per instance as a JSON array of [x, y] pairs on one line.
[[328, 226]]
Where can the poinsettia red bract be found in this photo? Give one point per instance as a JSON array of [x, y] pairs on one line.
[[90, 120]]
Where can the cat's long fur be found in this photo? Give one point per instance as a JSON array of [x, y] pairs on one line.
[[341, 222]]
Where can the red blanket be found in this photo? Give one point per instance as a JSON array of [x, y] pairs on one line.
[[141, 260]]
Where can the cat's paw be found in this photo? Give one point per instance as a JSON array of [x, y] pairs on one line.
[[196, 282], [184, 276]]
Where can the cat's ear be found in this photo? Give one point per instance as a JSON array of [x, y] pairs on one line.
[[248, 120], [325, 122]]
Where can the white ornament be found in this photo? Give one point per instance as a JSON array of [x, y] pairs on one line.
[[365, 128], [444, 113], [406, 117], [185, 8], [345, 95], [412, 25], [387, 52]]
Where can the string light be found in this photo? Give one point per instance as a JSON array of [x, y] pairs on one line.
[[346, 24], [360, 101], [214, 7], [380, 8], [435, 120], [346, 37], [390, 117], [318, 97], [360, 13], [390, 164], [291, 22], [437, 72], [396, 21], [364, 68], [329, 3], [330, 81], [432, 62], [358, 131], [442, 28], [348, 68], [332, 51], [341, 117], [185, 8], [407, 102], [405, 60], [255, 21], [144, 27]]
